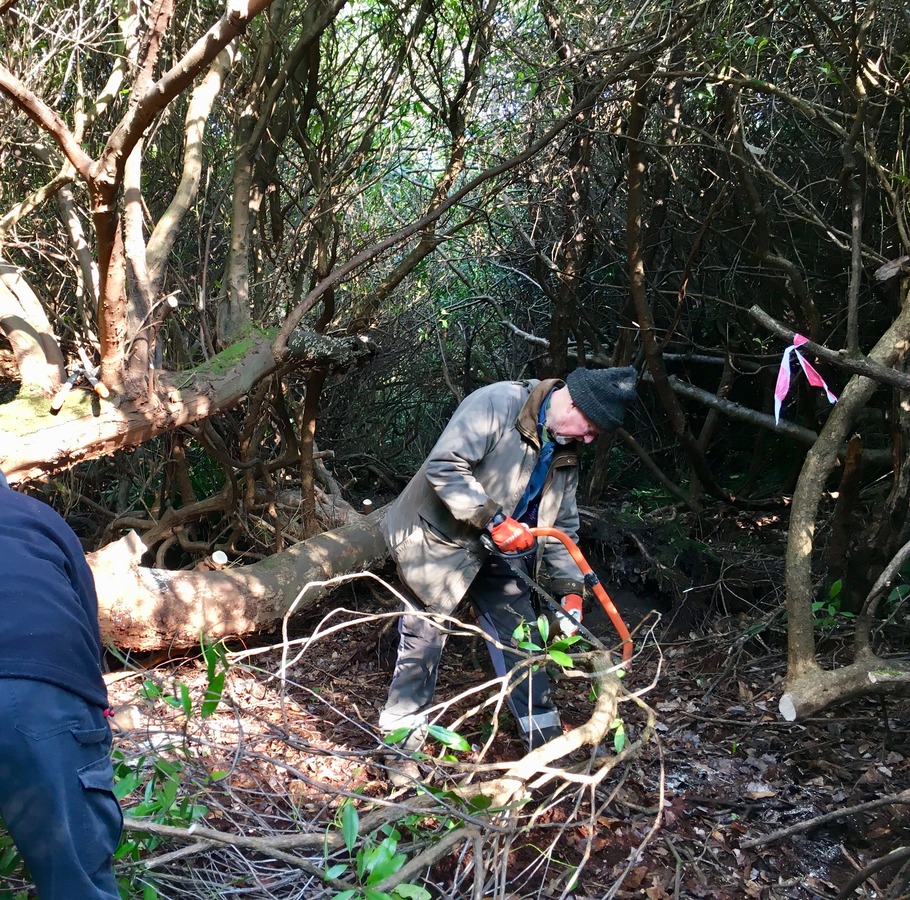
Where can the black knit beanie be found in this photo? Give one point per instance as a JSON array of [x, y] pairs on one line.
[[603, 394]]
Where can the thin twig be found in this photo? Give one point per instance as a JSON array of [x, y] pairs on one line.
[[800, 827]]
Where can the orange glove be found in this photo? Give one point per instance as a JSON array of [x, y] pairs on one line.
[[569, 622], [511, 536]]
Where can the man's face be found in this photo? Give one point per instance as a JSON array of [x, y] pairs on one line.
[[571, 424]]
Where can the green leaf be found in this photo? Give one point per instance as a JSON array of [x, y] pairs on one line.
[[169, 792], [363, 854], [371, 857], [344, 895], [9, 860], [480, 802], [543, 626], [335, 871], [565, 642], [126, 785], [411, 892], [562, 659], [387, 847], [126, 848], [448, 738], [215, 657], [397, 736], [149, 892], [213, 695], [383, 868], [835, 589], [619, 736], [350, 825], [150, 690], [210, 657], [146, 808], [168, 768], [186, 702]]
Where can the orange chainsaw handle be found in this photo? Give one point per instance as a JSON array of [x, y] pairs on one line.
[[593, 582]]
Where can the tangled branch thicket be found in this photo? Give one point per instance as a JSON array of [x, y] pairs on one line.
[[251, 799]]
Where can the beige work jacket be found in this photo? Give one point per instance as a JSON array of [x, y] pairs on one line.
[[482, 461]]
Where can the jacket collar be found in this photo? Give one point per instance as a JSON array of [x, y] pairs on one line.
[[526, 422]]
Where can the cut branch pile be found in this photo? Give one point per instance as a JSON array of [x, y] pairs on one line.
[[268, 786]]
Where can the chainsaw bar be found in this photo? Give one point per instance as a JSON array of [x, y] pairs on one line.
[[554, 605]]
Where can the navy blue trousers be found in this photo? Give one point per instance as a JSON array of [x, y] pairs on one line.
[[501, 602], [56, 790]]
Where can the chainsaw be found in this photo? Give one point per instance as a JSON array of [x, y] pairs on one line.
[[590, 579]]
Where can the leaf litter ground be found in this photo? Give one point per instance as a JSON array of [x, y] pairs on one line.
[[277, 759], [248, 801]]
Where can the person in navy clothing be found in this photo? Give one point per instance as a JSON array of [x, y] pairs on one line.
[[56, 780]]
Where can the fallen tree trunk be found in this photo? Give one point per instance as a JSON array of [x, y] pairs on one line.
[[145, 609]]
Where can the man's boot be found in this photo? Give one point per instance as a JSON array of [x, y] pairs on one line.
[[398, 758], [541, 736]]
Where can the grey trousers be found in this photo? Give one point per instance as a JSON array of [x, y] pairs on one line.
[[501, 603]]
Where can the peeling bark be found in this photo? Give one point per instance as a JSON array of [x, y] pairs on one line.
[[25, 324]]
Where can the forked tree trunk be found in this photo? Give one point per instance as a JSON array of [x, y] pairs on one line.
[[808, 687]]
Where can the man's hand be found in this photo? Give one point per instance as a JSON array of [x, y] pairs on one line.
[[571, 617], [511, 536]]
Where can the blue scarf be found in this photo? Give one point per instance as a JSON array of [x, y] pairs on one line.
[[527, 508]]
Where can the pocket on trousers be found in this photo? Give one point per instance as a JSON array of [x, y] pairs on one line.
[[44, 710], [103, 818], [92, 735]]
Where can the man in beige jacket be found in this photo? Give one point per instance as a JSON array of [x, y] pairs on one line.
[[507, 460]]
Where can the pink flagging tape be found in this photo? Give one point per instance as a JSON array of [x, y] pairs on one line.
[[782, 388]]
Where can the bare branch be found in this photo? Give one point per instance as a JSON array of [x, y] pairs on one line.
[[855, 365], [46, 119]]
